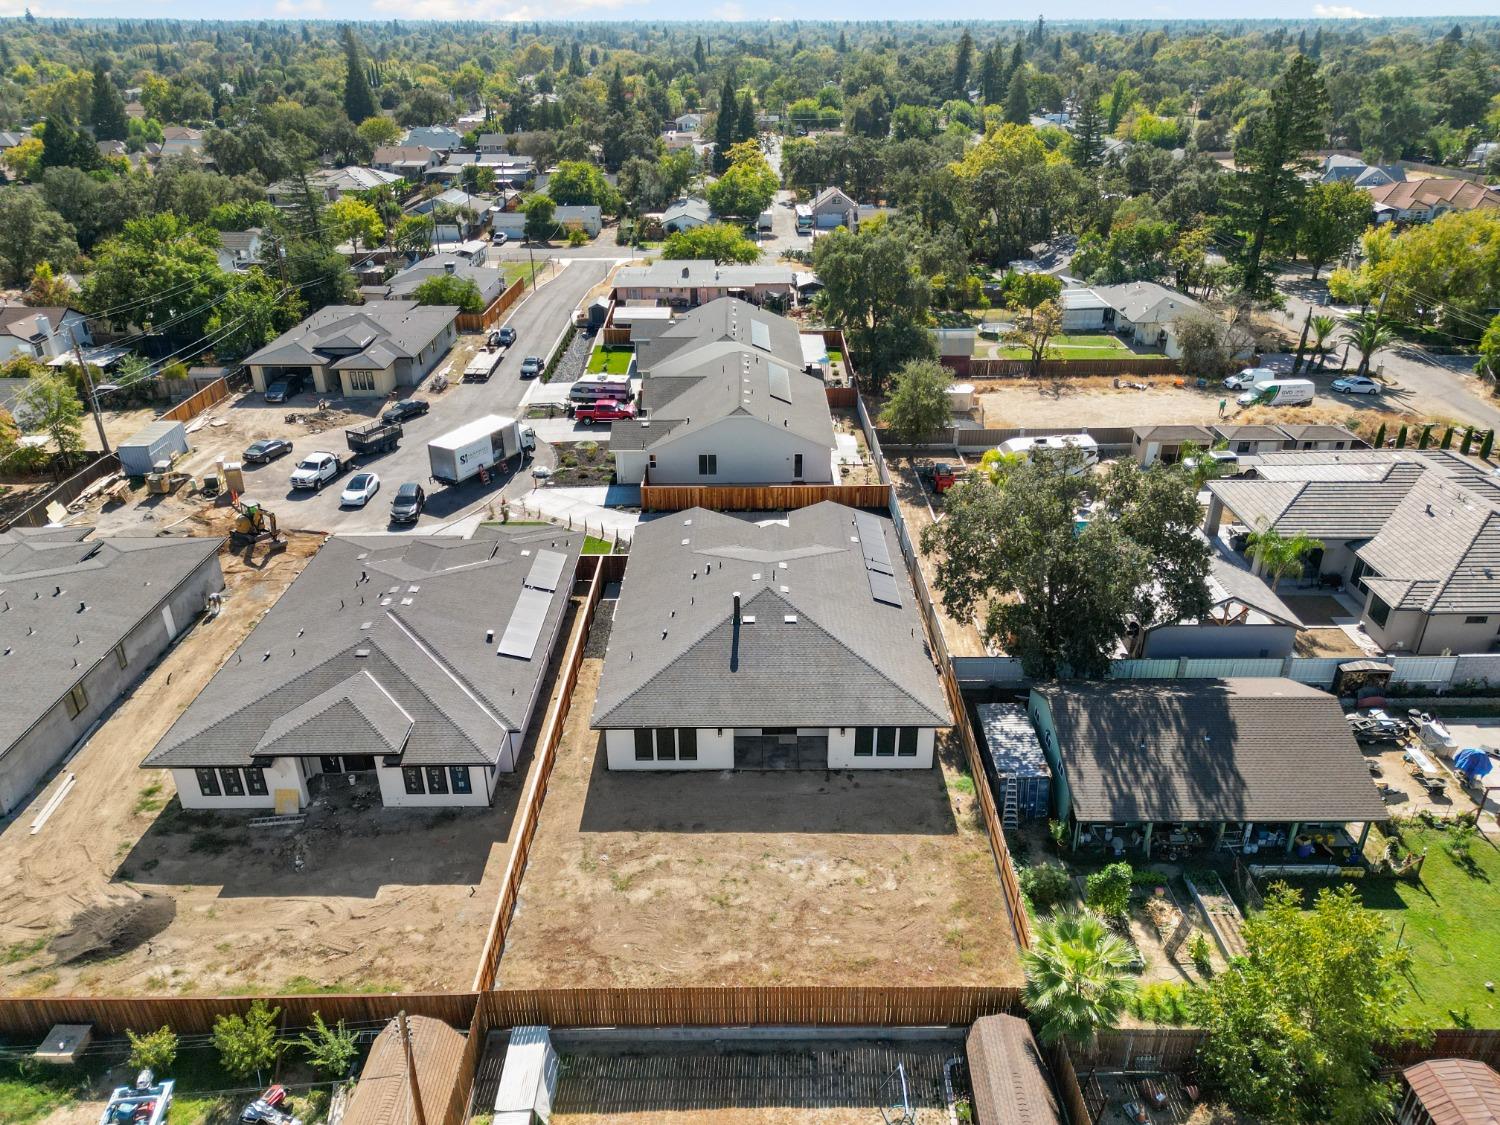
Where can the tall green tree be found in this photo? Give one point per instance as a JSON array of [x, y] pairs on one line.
[[359, 100], [541, 225], [107, 107], [1274, 149], [1077, 978], [918, 403], [446, 289], [30, 233], [1332, 218], [1157, 509], [64, 145], [49, 404], [724, 125], [963, 65], [1018, 99], [1087, 145], [1293, 1027], [1367, 334], [747, 186], [252, 313], [722, 242]]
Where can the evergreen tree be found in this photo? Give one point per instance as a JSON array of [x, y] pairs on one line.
[[1088, 130], [990, 89], [700, 60], [1017, 100], [1039, 32], [724, 127], [744, 126], [107, 111], [359, 101], [1017, 57], [575, 61], [963, 65], [843, 44], [64, 145], [616, 98]]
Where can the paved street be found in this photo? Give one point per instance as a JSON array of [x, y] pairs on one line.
[[539, 321]]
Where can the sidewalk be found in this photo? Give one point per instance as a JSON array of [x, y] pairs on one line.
[[592, 509]]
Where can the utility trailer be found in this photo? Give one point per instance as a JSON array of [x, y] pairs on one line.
[[375, 436]]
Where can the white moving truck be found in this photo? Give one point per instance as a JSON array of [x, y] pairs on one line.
[[1279, 392], [479, 445]]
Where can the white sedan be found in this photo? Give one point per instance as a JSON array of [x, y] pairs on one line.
[[358, 491], [1356, 385]]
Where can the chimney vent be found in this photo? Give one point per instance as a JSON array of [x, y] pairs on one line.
[[736, 607]]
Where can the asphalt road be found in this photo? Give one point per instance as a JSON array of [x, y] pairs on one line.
[[539, 321]]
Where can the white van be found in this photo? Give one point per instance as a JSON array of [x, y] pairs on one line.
[[1041, 446], [1249, 378], [1279, 392], [592, 388]]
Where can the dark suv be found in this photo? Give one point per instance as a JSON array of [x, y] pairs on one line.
[[284, 388], [408, 503]]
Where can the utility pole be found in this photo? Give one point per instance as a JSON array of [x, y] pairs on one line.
[[89, 384], [411, 1070]]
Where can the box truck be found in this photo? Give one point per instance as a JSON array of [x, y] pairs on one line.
[[479, 445], [1279, 392]]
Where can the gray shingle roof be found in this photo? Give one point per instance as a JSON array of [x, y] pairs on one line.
[[845, 659], [403, 327], [1174, 433], [1320, 432], [491, 283], [701, 273], [46, 644], [1239, 749], [727, 320], [1146, 301], [1250, 433], [379, 647]]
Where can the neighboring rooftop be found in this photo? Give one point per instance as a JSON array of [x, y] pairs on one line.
[[1209, 750], [490, 283], [29, 323], [388, 645], [1455, 1091], [829, 626], [1145, 302], [354, 335], [383, 1095], [1008, 1074], [700, 273], [705, 331], [66, 601], [1461, 195]]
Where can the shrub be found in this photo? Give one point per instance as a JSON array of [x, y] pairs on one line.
[[154, 1049], [1045, 885], [1162, 1002], [1109, 890], [1199, 951], [247, 1044], [329, 1050]]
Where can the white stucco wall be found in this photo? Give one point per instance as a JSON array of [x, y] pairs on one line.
[[749, 451], [841, 752], [282, 773], [393, 794], [715, 751]]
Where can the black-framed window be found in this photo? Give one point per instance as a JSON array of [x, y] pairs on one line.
[[459, 776], [437, 779], [797, 465], [255, 781], [331, 763], [687, 744], [908, 745], [78, 699], [1380, 611], [708, 464], [120, 657], [666, 744], [233, 786], [643, 745], [208, 781], [1476, 619], [864, 742], [885, 742], [412, 777]]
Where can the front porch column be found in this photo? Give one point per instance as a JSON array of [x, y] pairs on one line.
[[1146, 844], [1077, 831], [1215, 516], [1291, 838]]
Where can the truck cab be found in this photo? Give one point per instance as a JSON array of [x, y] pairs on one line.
[[317, 469]]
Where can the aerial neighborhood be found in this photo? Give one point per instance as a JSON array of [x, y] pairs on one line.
[[704, 567]]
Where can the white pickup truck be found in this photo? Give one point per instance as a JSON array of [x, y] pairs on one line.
[[317, 469]]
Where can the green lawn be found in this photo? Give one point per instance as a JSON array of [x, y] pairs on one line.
[[611, 360], [1075, 347], [516, 270], [835, 356], [593, 545], [1451, 921]]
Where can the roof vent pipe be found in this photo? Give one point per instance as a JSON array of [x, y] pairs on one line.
[[736, 607]]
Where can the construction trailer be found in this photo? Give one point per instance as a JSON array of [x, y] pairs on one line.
[[142, 451], [1023, 779]]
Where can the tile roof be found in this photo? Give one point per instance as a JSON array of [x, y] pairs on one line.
[[820, 652], [1463, 195], [1009, 1075], [1456, 1091], [1326, 509], [380, 647], [403, 328], [47, 644], [1209, 750], [1443, 543]]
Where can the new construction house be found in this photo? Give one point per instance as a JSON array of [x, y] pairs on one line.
[[415, 662], [80, 621], [774, 645]]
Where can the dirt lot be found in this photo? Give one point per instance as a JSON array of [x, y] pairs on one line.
[[1097, 402], [862, 877], [919, 508], [124, 892]]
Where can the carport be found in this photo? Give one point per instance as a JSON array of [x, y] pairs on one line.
[[775, 749]]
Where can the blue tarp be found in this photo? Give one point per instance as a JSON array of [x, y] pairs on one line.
[[1473, 761]]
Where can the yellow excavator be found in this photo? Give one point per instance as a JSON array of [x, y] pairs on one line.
[[254, 524]]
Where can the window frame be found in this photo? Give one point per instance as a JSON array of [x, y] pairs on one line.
[[412, 778], [885, 742], [666, 743], [1380, 611], [687, 744], [864, 737], [645, 744], [797, 466], [233, 783], [120, 658], [437, 779], [77, 700], [708, 464], [908, 741], [211, 776], [459, 780], [255, 781]]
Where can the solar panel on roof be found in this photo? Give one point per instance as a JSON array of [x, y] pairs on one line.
[[525, 627], [760, 335], [546, 569], [781, 382], [883, 588], [872, 540]]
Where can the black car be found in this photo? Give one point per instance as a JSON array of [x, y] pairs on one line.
[[283, 389], [406, 408], [531, 367], [408, 503], [266, 450], [507, 336]]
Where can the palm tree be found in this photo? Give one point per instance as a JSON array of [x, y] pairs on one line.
[[1278, 554], [1076, 978], [1323, 327], [1367, 334], [1194, 460]]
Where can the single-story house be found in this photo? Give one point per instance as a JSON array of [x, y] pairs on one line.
[[41, 332], [1352, 169], [1147, 313], [178, 140], [685, 214], [384, 1094], [1164, 443], [490, 283], [1083, 310], [832, 207], [1413, 535], [698, 281], [1250, 441], [409, 162], [239, 249], [1318, 436], [330, 184], [1008, 1074], [83, 619], [1421, 201], [413, 661], [1263, 767], [490, 143], [359, 350], [475, 209], [1245, 619], [786, 644], [442, 139], [1449, 1092], [689, 122], [585, 217]]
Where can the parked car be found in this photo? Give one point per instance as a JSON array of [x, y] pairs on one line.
[[266, 450], [1249, 377], [1356, 385], [507, 336], [605, 410], [406, 408], [531, 367], [493, 339], [408, 503], [317, 469], [283, 389], [358, 491], [499, 238]]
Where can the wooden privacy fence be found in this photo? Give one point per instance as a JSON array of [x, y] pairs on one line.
[[1070, 368], [480, 321], [35, 514], [760, 497], [732, 1006], [195, 404], [1068, 1088], [194, 1015], [598, 569], [841, 397]]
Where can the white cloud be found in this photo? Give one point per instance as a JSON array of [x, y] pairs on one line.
[[1340, 12], [730, 10], [299, 7], [461, 10]]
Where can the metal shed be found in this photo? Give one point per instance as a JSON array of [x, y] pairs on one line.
[[159, 441], [1023, 778], [529, 1080]]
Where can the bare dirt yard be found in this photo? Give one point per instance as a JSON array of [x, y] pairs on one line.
[[123, 892], [920, 506], [798, 877], [1097, 402]]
